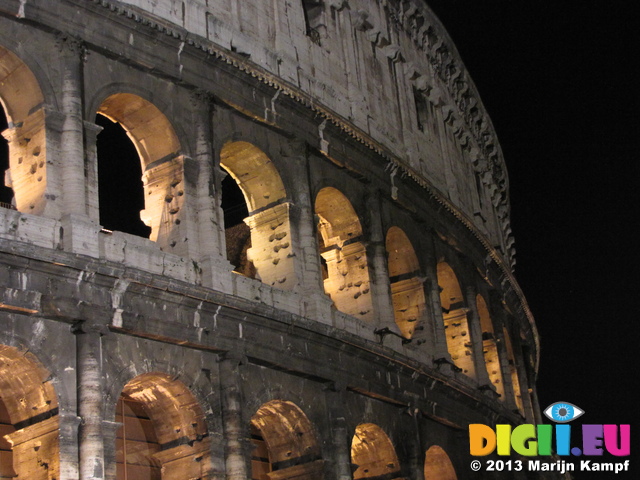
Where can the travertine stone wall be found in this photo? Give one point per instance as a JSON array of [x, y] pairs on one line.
[[366, 161]]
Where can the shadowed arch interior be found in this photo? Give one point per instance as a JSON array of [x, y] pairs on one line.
[[158, 152], [254, 172], [374, 454], [29, 445], [24, 133], [437, 465], [284, 442], [454, 313], [259, 247], [347, 279], [406, 285], [164, 429]]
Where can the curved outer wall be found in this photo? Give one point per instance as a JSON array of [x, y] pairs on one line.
[[376, 314]]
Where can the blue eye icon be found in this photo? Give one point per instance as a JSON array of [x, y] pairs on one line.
[[562, 412]]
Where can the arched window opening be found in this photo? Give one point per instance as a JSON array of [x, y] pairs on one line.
[[237, 233], [120, 189], [29, 428], [490, 347], [347, 279], [266, 238], [6, 193], [437, 465], [161, 167], [23, 150], [285, 445], [164, 434], [373, 454], [454, 313], [406, 287], [513, 371]]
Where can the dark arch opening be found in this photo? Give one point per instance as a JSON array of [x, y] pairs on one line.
[[6, 194], [121, 193], [237, 233]]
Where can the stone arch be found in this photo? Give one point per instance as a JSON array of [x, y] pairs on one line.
[[454, 312], [513, 371], [406, 286], [23, 102], [29, 422], [285, 445], [267, 230], [437, 465], [164, 432], [347, 279], [373, 454], [161, 161], [490, 346]]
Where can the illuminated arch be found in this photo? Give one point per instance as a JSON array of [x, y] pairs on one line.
[[490, 347], [164, 432], [347, 279], [454, 312], [437, 465], [374, 454], [406, 287], [23, 102], [285, 443], [266, 237], [29, 427], [161, 163]]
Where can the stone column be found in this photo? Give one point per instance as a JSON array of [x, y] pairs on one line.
[[72, 145], [416, 454], [523, 378], [475, 334], [216, 269], [90, 400], [499, 324], [376, 251], [441, 353], [69, 424], [303, 233], [340, 436], [271, 249], [80, 234], [235, 431]]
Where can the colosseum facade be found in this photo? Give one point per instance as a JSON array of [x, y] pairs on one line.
[[259, 240]]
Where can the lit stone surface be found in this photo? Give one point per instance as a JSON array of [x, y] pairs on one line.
[[325, 288]]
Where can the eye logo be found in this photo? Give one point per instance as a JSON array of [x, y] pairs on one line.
[[562, 412]]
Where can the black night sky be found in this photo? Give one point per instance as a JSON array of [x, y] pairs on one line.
[[560, 82]]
